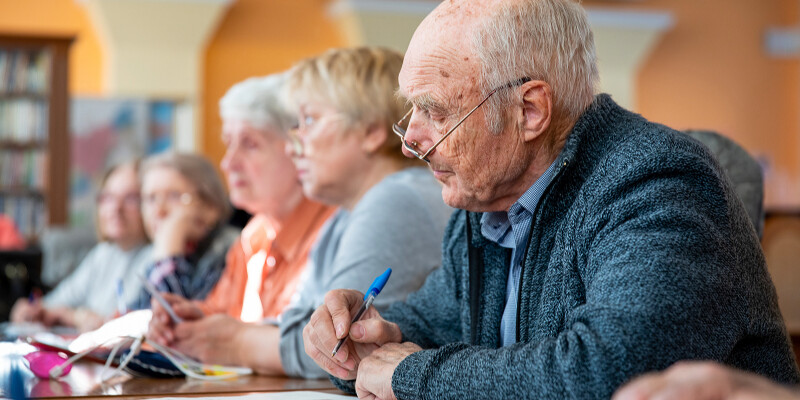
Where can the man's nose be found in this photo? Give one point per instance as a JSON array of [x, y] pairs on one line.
[[418, 136]]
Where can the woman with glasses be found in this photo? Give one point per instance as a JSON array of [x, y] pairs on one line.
[[105, 280], [185, 209], [390, 209], [389, 213]]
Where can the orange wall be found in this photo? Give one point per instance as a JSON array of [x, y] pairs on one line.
[[258, 37], [61, 17], [711, 71], [255, 37]]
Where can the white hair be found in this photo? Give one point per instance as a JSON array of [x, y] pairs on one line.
[[548, 40], [257, 101]]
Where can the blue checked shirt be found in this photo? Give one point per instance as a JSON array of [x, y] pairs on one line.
[[510, 230]]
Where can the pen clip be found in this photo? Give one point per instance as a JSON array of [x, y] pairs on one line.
[[378, 284]]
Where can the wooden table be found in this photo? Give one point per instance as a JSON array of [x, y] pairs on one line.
[[84, 381]]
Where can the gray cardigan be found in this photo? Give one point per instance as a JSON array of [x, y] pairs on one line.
[[640, 256]]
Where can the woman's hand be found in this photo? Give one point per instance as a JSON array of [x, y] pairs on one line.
[[183, 224], [27, 311]]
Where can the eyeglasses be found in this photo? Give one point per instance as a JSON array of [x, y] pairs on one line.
[[307, 122], [400, 130], [171, 198]]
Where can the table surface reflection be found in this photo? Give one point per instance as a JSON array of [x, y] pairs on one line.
[[84, 381]]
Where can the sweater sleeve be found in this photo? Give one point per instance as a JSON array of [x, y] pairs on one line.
[[72, 291], [374, 238], [431, 316], [656, 261]]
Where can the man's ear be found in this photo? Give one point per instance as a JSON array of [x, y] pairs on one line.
[[537, 109], [375, 136]]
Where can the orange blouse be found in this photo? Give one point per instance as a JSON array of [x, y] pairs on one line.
[[284, 253]]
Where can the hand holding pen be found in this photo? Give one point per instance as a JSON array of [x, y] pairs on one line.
[[334, 321], [369, 297]]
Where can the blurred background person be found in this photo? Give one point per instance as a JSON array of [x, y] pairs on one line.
[[185, 210], [347, 156], [264, 266], [106, 277]]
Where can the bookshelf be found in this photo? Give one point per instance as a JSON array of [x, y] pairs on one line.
[[34, 136]]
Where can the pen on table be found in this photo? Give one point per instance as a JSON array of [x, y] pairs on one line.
[[369, 297], [159, 298], [122, 309]]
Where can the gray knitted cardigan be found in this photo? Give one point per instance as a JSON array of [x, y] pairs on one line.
[[640, 255]]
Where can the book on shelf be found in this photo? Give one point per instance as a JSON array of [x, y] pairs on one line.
[[28, 213], [23, 120], [24, 71], [23, 169]]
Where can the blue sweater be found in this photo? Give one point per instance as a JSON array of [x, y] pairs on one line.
[[640, 255]]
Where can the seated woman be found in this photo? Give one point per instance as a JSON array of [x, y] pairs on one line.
[[264, 266], [106, 278], [346, 156], [185, 209]]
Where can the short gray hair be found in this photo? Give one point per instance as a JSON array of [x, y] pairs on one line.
[[548, 40], [197, 170], [257, 101]]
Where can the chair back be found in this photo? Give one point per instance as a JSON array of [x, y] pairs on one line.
[[742, 170]]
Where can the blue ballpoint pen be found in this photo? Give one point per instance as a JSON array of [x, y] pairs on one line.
[[369, 297]]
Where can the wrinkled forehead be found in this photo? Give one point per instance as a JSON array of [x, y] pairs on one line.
[[440, 55]]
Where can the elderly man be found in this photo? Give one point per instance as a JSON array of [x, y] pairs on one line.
[[593, 246]]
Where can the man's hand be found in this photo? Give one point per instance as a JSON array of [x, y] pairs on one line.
[[162, 328], [703, 381], [375, 372], [331, 322]]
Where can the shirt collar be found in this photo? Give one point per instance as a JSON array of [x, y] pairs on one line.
[[496, 225]]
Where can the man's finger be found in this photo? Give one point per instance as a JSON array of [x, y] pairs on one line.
[[641, 388], [329, 365], [322, 337], [339, 303], [375, 330]]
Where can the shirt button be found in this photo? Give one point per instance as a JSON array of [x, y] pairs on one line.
[[270, 261]]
